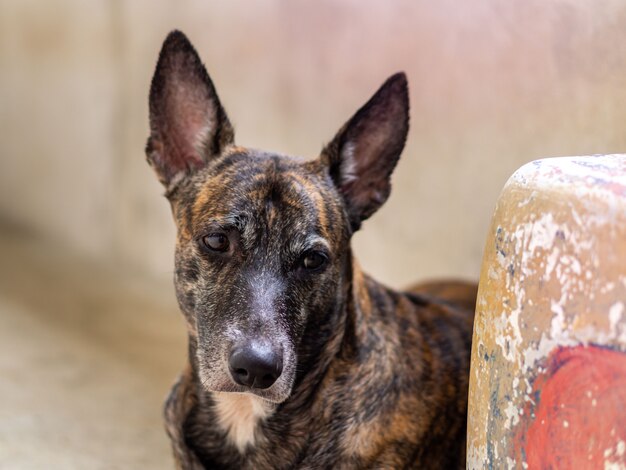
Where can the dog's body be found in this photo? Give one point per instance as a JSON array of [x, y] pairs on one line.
[[296, 358]]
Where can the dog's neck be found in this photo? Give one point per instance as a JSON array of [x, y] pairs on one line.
[[358, 308]]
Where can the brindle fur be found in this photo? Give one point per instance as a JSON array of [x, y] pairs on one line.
[[373, 378]]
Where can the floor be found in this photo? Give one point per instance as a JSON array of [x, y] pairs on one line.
[[87, 355]]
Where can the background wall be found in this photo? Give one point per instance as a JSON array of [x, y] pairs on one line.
[[493, 84]]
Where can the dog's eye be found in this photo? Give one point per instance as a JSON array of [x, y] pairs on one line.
[[216, 242], [314, 260]]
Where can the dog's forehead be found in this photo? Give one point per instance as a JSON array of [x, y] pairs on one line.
[[286, 192]]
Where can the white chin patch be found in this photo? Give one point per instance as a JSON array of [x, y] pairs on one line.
[[239, 414]]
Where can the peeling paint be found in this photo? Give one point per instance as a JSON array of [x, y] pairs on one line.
[[615, 315], [552, 279]]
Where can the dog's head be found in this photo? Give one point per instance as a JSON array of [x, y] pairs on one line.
[[262, 249]]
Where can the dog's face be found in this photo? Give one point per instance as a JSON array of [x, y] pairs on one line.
[[261, 242], [262, 249]]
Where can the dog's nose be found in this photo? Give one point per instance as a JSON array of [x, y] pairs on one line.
[[255, 365]]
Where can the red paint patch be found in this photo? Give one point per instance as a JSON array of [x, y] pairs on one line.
[[580, 418]]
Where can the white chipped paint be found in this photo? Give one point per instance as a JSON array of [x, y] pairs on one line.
[[615, 315], [501, 259], [608, 287], [512, 414], [540, 233], [526, 201], [551, 261], [558, 320], [568, 270], [576, 174], [614, 457], [476, 457]]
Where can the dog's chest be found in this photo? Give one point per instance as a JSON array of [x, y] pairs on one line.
[[239, 415]]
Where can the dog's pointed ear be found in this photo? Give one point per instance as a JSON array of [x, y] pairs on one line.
[[188, 125], [363, 154]]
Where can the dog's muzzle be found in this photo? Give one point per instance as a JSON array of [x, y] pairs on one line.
[[255, 364]]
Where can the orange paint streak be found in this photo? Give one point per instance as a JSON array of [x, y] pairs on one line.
[[580, 418]]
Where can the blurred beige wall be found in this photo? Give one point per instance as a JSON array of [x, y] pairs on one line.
[[494, 84]]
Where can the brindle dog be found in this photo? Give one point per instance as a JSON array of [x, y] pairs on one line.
[[296, 358]]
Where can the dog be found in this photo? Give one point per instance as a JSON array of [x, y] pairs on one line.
[[297, 359]]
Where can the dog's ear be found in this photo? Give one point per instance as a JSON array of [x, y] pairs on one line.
[[365, 151], [188, 125]]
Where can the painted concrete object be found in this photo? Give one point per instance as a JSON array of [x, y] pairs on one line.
[[548, 378]]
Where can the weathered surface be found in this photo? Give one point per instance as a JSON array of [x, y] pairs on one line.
[[548, 380]]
